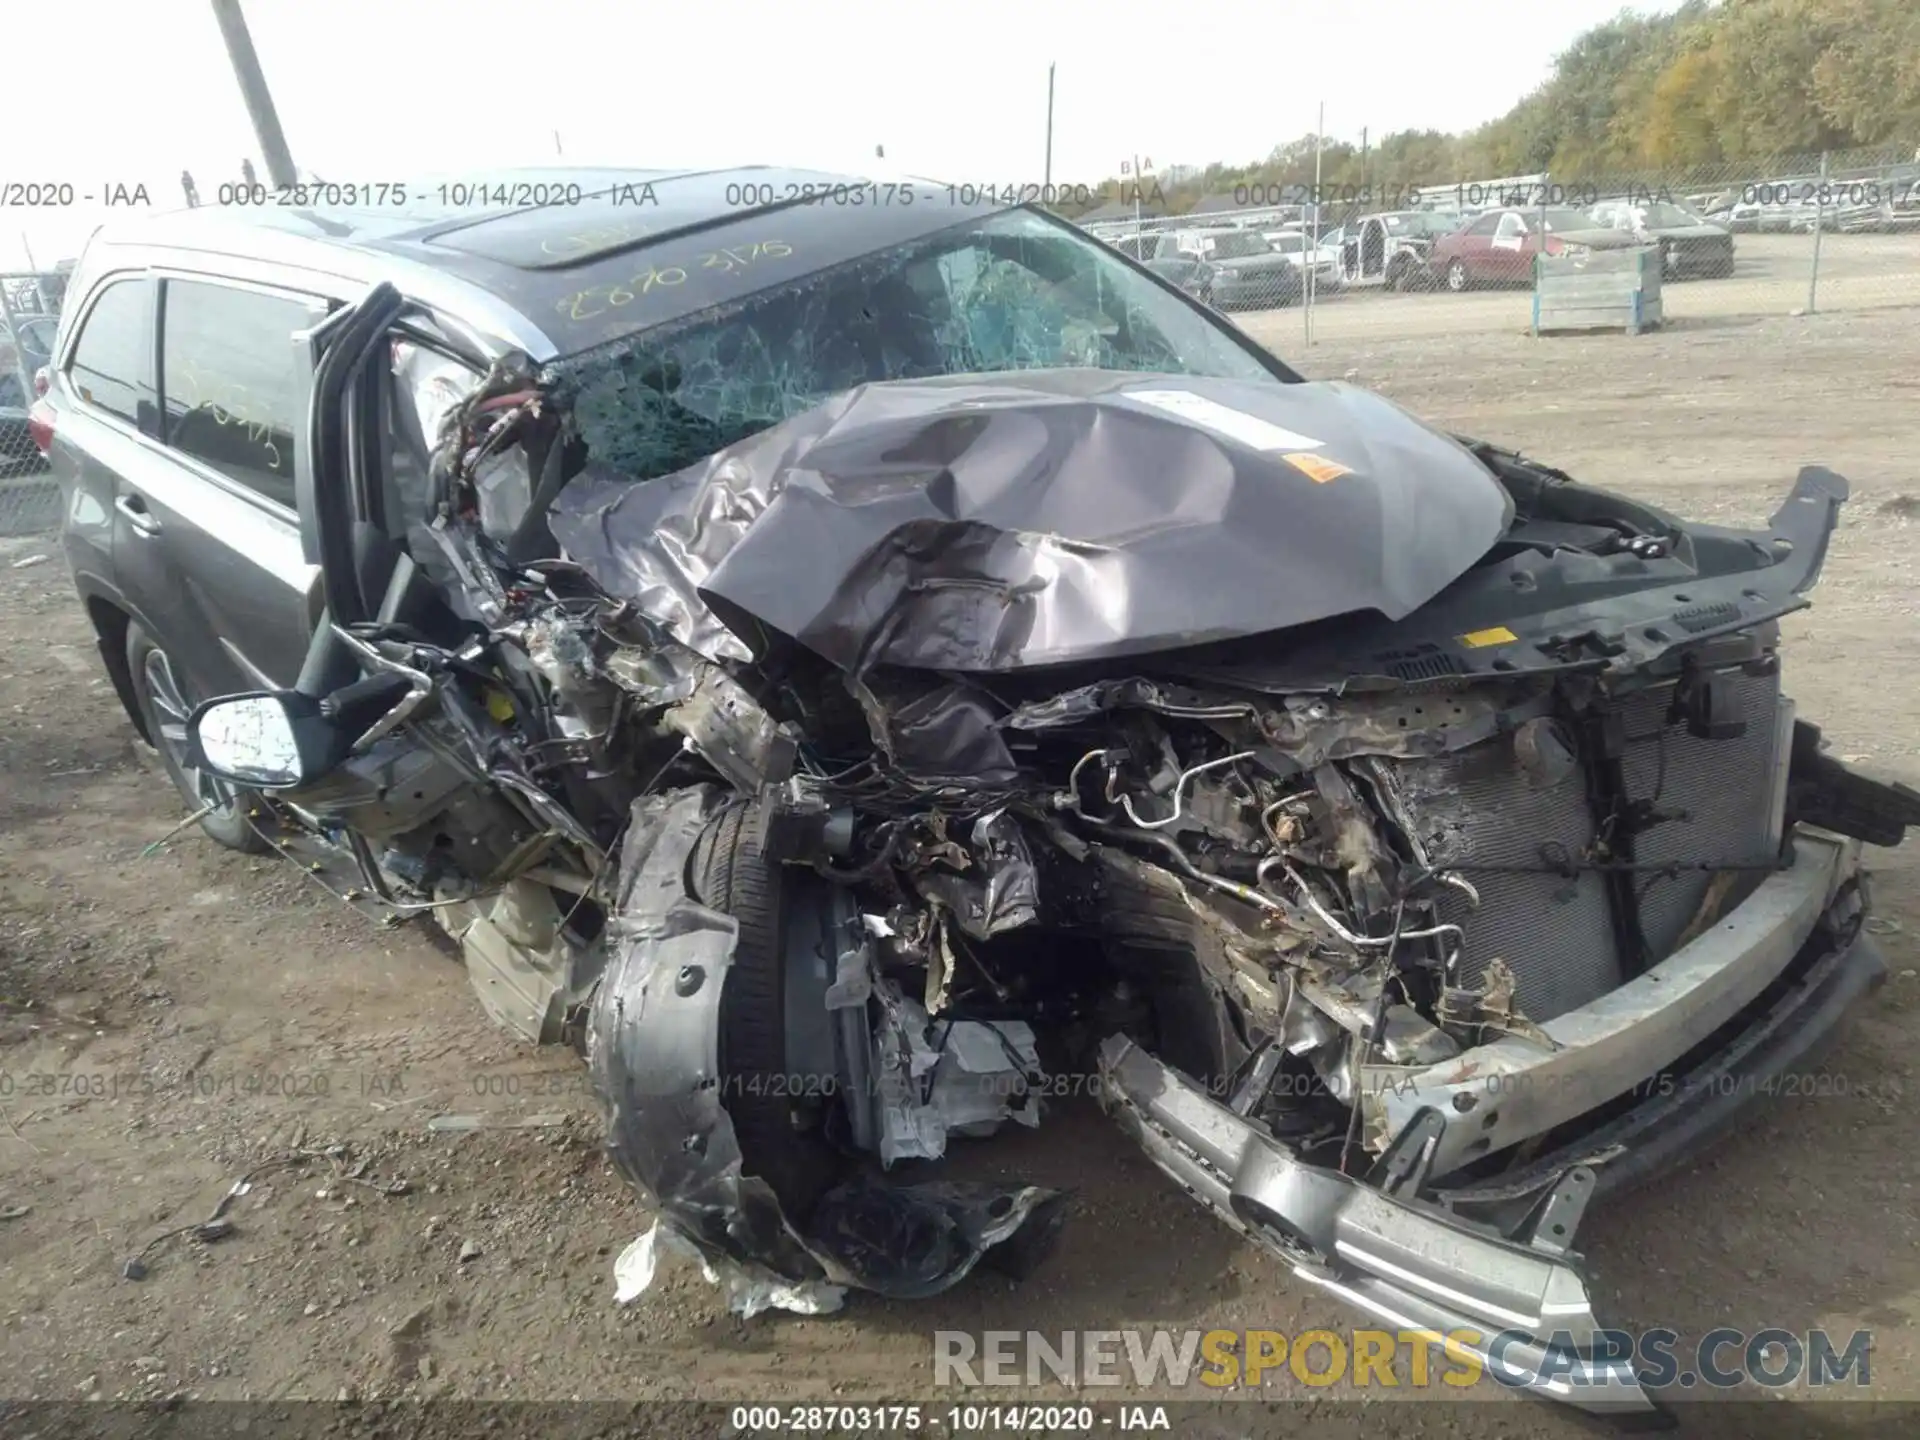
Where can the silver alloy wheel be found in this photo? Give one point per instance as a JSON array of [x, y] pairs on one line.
[[171, 711], [1456, 276]]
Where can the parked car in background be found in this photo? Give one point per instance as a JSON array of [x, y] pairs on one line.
[[1190, 273], [1897, 214], [1249, 274], [1391, 248], [1497, 248], [32, 339], [1322, 259], [1689, 243], [1151, 245], [19, 455], [1751, 217], [1139, 247]]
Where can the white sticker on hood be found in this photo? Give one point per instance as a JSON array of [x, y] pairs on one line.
[[1248, 429]]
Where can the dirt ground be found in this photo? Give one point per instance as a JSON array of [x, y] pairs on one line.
[[169, 1020]]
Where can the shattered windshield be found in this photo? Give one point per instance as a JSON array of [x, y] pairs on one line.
[[1012, 291]]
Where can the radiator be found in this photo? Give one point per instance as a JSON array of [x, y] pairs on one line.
[[1725, 791], [1478, 809]]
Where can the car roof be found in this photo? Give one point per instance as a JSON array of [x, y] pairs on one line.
[[548, 246]]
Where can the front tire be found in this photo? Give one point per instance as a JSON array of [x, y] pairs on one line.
[[1457, 280], [731, 872], [166, 698]]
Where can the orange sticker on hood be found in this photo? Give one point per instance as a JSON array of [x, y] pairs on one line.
[[1317, 468]]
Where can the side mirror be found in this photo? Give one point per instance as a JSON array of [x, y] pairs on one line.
[[271, 740], [283, 739]]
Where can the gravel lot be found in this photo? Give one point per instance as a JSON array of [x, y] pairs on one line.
[[170, 1020]]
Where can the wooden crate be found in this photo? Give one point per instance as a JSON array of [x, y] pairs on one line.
[[1605, 290]]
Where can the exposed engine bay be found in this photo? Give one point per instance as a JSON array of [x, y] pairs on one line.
[[1257, 750]]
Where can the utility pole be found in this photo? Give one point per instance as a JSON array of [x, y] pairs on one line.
[[1819, 214], [253, 89], [1047, 180], [1138, 170], [1312, 255]]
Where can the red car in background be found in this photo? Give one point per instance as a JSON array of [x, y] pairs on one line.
[[1498, 247]]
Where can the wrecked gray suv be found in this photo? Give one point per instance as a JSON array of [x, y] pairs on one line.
[[840, 658]]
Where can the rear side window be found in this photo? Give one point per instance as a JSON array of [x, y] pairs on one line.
[[112, 365], [235, 396]]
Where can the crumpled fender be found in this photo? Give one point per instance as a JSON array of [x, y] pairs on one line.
[[653, 1052]]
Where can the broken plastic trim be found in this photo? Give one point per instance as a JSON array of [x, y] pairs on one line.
[[653, 1049]]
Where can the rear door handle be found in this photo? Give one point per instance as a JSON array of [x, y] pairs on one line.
[[138, 516]]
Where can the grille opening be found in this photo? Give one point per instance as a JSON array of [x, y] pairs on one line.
[[1703, 1058], [1477, 810]]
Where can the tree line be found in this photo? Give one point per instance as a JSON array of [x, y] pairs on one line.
[[1706, 88]]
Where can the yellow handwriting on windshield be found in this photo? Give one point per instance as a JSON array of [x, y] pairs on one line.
[[601, 237], [598, 300]]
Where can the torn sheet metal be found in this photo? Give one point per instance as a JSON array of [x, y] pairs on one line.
[[750, 1289], [693, 525], [653, 1042], [951, 733], [994, 523], [999, 890], [652, 1047], [737, 737], [942, 1077], [911, 1241]]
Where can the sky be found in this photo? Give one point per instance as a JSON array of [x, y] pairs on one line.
[[373, 91]]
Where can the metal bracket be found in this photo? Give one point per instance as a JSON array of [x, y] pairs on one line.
[[1402, 1169], [1550, 1225], [1259, 1075]]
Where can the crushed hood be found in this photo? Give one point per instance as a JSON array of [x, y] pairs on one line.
[[992, 523]]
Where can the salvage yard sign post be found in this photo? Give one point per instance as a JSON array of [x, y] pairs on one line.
[[1604, 290], [1819, 215]]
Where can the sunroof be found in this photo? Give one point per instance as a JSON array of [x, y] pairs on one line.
[[567, 226]]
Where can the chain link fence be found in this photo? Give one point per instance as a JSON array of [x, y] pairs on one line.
[[1378, 254], [29, 313], [1384, 255]]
